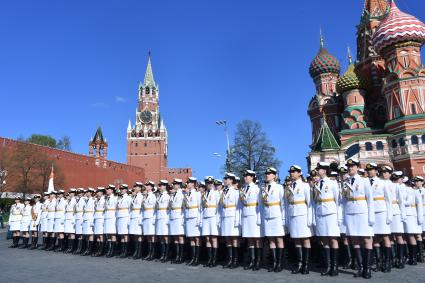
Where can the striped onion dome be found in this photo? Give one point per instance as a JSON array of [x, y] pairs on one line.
[[398, 27], [323, 63], [350, 80]]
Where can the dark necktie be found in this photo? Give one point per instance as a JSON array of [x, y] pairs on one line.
[[352, 181], [247, 189], [321, 184], [371, 182], [268, 188], [294, 185]]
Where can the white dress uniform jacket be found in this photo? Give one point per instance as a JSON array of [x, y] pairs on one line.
[[123, 214], [44, 212], [382, 201], [88, 216], [60, 215], [136, 214], [99, 216], [299, 210], [274, 211], [251, 199], [70, 215], [51, 209], [79, 210], [36, 210], [193, 213], [149, 214], [210, 213], [414, 211], [327, 213], [110, 215], [176, 213], [231, 213], [26, 218], [15, 217], [162, 214]]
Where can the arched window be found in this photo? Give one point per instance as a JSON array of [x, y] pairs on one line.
[[401, 142], [147, 90], [423, 139], [414, 139], [394, 144], [368, 146], [379, 145]]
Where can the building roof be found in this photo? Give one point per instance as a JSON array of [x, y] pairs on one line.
[[98, 136], [149, 81], [375, 9], [326, 140], [398, 27]]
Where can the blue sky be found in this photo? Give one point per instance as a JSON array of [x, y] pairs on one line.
[[67, 67]]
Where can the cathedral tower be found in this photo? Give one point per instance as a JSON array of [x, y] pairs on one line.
[[98, 148]]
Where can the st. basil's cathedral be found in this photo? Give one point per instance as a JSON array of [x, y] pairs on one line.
[[375, 110]]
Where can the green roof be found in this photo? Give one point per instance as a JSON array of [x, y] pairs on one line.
[[149, 81], [98, 136], [326, 140]]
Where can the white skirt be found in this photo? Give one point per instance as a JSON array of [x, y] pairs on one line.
[[250, 228], [161, 227], [358, 225], [88, 227], [411, 226], [69, 226], [148, 226], [192, 229], [381, 227], [99, 224], [327, 226], [25, 226], [43, 225], [15, 226], [109, 226], [273, 227], [228, 228], [79, 226], [209, 226], [397, 225], [342, 228], [59, 225], [135, 228], [50, 225], [33, 228], [298, 227], [176, 227], [122, 225]]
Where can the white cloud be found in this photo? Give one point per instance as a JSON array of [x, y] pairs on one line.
[[120, 99]]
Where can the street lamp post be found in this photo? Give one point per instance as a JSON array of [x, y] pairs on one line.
[[223, 123]]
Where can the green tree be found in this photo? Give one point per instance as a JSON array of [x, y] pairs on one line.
[[252, 150], [42, 140], [64, 143]]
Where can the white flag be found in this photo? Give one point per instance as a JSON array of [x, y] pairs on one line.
[[51, 186]]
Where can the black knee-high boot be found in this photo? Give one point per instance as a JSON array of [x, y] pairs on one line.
[[176, 258], [209, 252], [400, 256], [44, 244], [306, 261], [387, 265], [334, 262], [79, 247], [111, 248], [348, 258], [258, 256], [251, 263], [420, 251], [235, 263], [52, 244], [412, 255], [229, 257], [214, 257], [299, 265], [367, 262], [378, 261], [273, 266], [327, 259], [193, 251], [196, 260], [34, 241], [359, 261]]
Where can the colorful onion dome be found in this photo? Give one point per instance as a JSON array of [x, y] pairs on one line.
[[350, 80], [398, 27], [323, 63]]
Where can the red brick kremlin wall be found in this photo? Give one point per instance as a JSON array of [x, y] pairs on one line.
[[81, 170]]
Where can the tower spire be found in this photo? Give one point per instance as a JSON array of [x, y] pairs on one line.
[[322, 41], [149, 81], [350, 59]]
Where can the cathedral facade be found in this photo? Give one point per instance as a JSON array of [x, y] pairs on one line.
[[375, 110]]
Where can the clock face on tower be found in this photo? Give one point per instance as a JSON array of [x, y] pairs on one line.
[[146, 116]]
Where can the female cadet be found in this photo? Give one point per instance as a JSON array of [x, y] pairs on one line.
[[110, 228], [359, 217], [382, 201], [88, 222], [15, 217], [69, 227], [99, 222], [399, 216], [149, 219], [60, 220], [25, 222], [79, 210], [250, 196], [176, 220], [43, 221], [193, 219], [210, 220], [300, 218], [123, 219], [327, 217], [414, 219], [162, 219], [274, 217], [135, 229], [231, 220], [35, 221], [51, 221]]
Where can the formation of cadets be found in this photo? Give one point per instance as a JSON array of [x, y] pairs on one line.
[[354, 216]]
